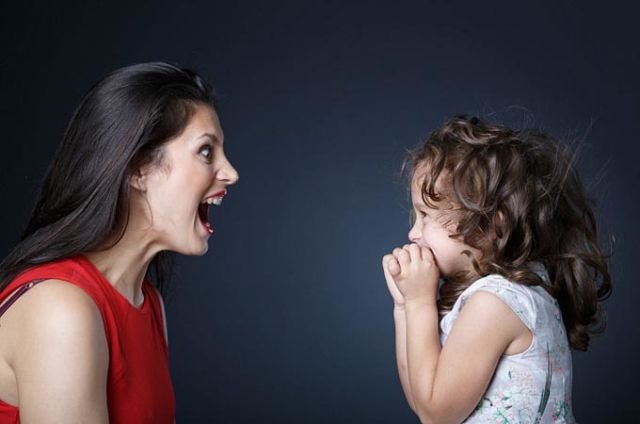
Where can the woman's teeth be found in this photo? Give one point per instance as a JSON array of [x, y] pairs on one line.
[[214, 200]]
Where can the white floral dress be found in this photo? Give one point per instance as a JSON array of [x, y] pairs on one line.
[[533, 386]]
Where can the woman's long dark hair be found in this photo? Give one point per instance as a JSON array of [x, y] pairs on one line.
[[121, 125], [518, 199]]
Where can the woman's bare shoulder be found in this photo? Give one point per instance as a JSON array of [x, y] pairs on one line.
[[59, 347], [55, 302], [52, 312]]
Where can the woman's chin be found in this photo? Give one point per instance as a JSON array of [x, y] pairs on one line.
[[204, 250], [198, 248], [201, 250]]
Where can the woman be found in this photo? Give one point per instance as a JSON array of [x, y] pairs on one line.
[[82, 329]]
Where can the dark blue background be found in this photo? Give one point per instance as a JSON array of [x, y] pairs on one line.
[[287, 318]]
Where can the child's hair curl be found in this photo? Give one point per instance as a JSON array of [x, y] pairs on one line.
[[518, 199]]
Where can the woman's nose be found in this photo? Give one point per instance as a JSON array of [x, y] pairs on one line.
[[227, 173]]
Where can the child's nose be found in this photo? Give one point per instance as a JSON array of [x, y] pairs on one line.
[[414, 233]]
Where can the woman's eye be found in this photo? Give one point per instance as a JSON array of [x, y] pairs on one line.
[[206, 152]]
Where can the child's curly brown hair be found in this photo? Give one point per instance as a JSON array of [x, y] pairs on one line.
[[518, 199]]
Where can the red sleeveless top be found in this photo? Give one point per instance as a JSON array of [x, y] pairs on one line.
[[139, 388]]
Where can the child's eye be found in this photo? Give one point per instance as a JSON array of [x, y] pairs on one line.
[[206, 152]]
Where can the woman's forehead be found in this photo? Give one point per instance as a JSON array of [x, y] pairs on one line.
[[204, 120]]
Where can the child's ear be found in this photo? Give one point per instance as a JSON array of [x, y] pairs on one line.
[[138, 180]]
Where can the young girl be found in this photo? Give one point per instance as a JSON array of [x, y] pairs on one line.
[[502, 218]]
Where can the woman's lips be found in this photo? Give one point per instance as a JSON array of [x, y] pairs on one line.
[[216, 198]]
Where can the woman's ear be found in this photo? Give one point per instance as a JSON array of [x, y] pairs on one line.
[[138, 180]]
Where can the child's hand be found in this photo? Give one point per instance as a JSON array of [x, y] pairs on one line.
[[413, 272], [398, 298]]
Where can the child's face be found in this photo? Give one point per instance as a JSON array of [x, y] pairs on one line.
[[433, 227]]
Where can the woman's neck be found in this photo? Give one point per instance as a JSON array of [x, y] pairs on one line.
[[125, 265]]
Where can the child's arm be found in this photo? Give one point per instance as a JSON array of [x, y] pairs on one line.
[[400, 321], [446, 384]]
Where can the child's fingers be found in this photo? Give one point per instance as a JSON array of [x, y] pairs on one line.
[[427, 254], [403, 257], [391, 285], [414, 251], [390, 265]]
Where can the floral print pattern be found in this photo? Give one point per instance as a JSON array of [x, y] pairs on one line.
[[533, 386]]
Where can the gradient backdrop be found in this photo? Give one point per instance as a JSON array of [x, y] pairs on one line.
[[287, 318]]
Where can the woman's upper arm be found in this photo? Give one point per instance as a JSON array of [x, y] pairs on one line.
[[480, 335], [61, 361]]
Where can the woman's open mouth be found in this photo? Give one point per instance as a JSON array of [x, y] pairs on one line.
[[203, 209]]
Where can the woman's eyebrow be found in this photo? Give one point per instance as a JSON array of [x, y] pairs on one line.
[[214, 138]]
